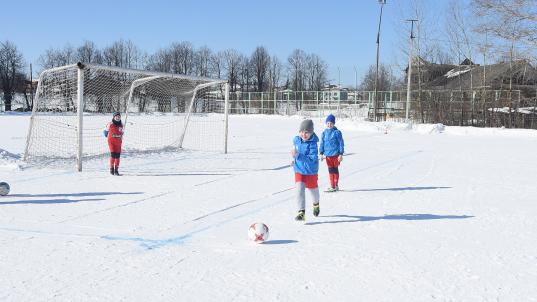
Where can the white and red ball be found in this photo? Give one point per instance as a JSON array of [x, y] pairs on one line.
[[258, 232], [4, 188]]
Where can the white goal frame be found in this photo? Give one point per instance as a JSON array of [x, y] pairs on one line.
[[145, 77]]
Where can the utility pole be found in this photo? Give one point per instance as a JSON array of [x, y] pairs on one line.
[[339, 77], [338, 88], [375, 103], [31, 88], [409, 75], [356, 84]]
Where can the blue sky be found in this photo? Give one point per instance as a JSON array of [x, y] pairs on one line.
[[342, 32]]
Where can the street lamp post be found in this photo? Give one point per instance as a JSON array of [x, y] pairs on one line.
[[375, 103], [409, 75]]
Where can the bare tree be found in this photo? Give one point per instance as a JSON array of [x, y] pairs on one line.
[[182, 55], [160, 61], [385, 81], [260, 61], [57, 57], [316, 70], [11, 64], [113, 54], [508, 19], [123, 54], [274, 73], [89, 53], [461, 42], [297, 69], [232, 60], [133, 55], [217, 64], [246, 73], [202, 58]]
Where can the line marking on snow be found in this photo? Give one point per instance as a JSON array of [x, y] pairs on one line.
[[42, 177], [117, 206], [239, 204], [178, 240], [410, 154], [151, 244], [8, 229], [292, 188]]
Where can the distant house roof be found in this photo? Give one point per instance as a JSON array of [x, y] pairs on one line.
[[467, 62], [497, 76], [519, 75]]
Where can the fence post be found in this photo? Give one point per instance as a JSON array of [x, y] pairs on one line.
[[274, 112], [226, 115]]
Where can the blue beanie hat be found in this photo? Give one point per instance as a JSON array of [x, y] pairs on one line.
[[331, 118]]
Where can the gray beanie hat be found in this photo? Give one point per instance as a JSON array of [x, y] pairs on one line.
[[306, 125]]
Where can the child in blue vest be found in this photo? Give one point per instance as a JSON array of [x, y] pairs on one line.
[[306, 165], [333, 147]]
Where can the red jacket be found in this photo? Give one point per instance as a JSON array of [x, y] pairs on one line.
[[115, 136]]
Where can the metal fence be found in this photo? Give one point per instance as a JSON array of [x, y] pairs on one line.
[[307, 103], [18, 103], [480, 108]]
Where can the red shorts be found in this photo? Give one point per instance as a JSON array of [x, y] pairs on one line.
[[309, 180], [114, 147], [332, 162]]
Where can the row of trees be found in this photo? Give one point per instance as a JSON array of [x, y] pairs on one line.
[[258, 71]]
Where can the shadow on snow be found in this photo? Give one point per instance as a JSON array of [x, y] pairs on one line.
[[389, 217], [397, 189], [48, 201], [82, 194], [280, 241], [175, 174], [63, 200]]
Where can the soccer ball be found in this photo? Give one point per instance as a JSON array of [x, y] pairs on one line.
[[258, 232], [4, 188]]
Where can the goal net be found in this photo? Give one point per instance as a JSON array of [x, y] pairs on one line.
[[160, 111]]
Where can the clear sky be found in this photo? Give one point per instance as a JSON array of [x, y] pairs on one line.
[[342, 32]]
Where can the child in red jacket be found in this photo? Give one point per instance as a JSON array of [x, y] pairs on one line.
[[114, 132]]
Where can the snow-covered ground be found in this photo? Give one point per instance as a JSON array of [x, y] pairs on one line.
[[425, 213]]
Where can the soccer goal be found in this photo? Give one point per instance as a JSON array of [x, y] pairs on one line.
[[160, 111]]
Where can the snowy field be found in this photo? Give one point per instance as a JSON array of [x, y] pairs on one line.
[[426, 213]]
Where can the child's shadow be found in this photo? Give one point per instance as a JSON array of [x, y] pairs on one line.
[[279, 241], [388, 217]]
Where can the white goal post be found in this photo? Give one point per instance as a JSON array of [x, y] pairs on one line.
[[160, 111]]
